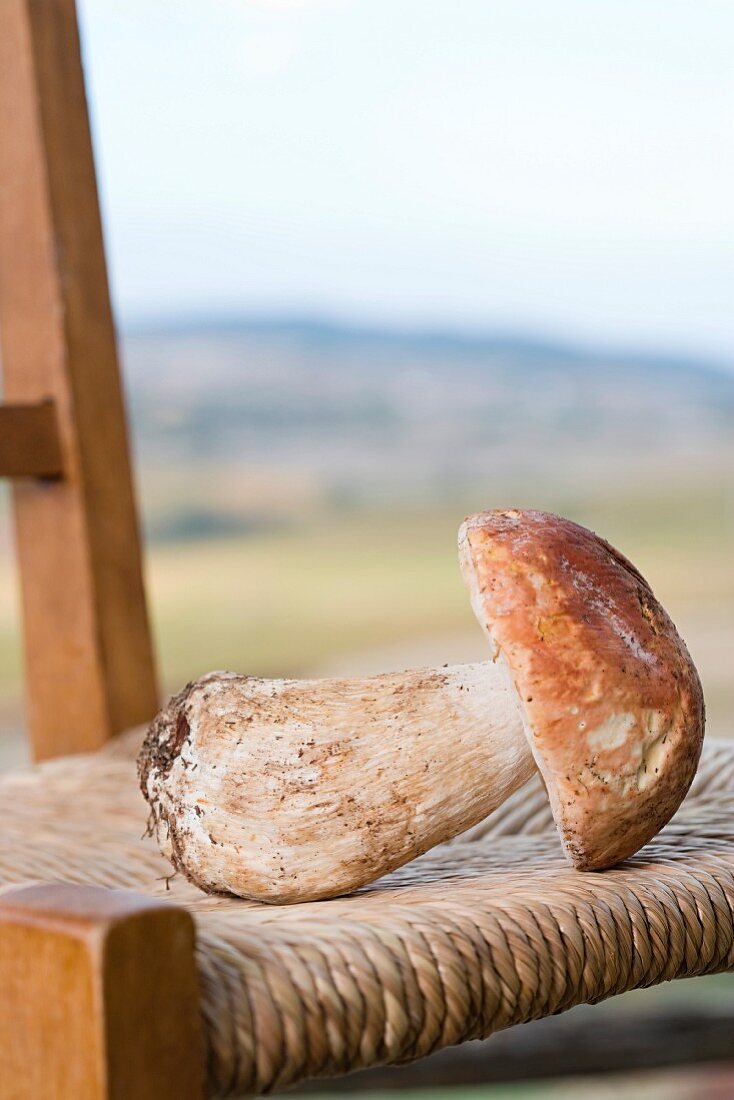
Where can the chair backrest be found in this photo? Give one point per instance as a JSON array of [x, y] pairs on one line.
[[63, 437]]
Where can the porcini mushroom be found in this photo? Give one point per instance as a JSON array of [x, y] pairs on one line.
[[285, 790]]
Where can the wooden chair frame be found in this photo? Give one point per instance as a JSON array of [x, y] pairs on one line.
[[88, 653], [98, 994]]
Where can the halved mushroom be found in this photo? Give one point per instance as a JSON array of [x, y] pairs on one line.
[[286, 790]]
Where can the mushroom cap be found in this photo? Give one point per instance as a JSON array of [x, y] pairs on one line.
[[612, 703]]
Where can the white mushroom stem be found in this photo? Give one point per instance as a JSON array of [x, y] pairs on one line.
[[286, 790]]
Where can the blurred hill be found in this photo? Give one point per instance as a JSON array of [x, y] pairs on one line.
[[304, 413]]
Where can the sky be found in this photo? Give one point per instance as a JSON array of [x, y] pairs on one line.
[[549, 167]]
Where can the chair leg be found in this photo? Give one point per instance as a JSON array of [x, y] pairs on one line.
[[98, 997]]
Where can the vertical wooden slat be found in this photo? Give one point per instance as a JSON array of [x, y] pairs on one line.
[[89, 661]]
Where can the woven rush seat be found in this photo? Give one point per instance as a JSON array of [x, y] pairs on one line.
[[491, 930]]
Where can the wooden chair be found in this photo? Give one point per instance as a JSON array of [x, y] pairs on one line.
[[119, 981]]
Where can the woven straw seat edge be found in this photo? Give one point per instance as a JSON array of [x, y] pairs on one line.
[[490, 930]]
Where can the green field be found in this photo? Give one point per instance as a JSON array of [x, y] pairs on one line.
[[346, 589]]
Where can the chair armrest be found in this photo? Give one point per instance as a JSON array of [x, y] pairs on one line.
[[99, 996]]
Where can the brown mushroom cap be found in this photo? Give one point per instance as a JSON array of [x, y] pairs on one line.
[[612, 703]]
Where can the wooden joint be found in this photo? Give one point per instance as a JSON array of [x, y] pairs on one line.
[[98, 996], [29, 440]]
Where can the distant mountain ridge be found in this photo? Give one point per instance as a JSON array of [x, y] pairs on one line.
[[325, 332], [292, 407]]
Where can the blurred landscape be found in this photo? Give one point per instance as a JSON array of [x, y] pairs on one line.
[[302, 484]]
